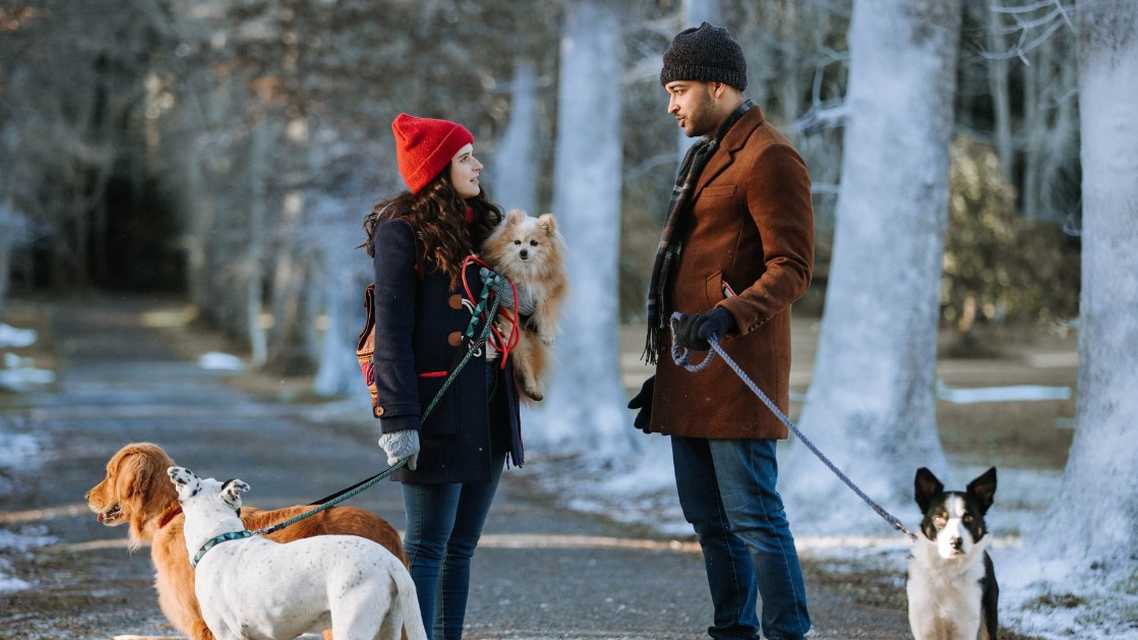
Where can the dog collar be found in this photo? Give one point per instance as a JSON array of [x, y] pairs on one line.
[[169, 515], [216, 540]]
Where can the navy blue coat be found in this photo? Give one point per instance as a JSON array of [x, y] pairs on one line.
[[419, 322]]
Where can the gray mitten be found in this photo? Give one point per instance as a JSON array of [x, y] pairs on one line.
[[506, 295], [399, 445]]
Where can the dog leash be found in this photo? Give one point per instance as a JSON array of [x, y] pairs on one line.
[[680, 357], [327, 502], [347, 493]]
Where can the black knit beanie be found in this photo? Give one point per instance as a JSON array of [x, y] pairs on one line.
[[707, 54]]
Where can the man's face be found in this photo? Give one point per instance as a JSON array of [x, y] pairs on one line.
[[692, 105]]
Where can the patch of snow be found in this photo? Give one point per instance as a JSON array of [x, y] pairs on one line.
[[215, 361], [28, 538], [13, 337], [1010, 393], [20, 374], [18, 451]]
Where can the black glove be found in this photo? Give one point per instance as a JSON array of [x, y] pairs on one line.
[[643, 401], [693, 331]]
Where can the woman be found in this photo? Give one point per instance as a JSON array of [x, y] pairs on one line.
[[418, 241]]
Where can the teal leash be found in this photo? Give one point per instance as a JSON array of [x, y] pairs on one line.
[[323, 504]]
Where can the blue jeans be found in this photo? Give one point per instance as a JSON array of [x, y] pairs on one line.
[[728, 493], [444, 522]]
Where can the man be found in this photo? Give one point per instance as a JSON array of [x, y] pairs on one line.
[[737, 249]]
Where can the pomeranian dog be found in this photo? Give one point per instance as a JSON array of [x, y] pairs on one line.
[[531, 253]]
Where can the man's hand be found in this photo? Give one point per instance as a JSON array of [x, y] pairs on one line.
[[643, 402], [693, 331]]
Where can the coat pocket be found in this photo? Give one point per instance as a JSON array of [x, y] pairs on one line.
[[441, 420], [718, 191], [713, 288]]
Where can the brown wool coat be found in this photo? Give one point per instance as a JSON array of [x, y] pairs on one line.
[[751, 229]]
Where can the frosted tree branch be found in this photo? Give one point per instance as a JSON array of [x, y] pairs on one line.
[[1046, 15]]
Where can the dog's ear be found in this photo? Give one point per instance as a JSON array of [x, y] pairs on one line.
[[231, 491], [186, 482], [180, 476], [515, 216], [983, 489], [548, 223], [926, 487], [134, 475]]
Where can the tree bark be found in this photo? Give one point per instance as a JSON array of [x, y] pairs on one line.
[[584, 406], [998, 85], [871, 404], [1091, 522], [516, 164]]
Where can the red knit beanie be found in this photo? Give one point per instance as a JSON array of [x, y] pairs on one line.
[[425, 146]]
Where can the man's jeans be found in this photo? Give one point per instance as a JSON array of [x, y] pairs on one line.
[[728, 493], [444, 523]]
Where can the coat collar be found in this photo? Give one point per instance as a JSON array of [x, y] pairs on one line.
[[734, 140]]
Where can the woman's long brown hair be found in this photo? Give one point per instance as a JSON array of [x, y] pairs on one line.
[[438, 215]]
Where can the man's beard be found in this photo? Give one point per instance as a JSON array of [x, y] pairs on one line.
[[701, 119]]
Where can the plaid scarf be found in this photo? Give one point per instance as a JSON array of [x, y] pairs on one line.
[[671, 244]]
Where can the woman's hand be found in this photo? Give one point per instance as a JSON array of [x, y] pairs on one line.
[[399, 445]]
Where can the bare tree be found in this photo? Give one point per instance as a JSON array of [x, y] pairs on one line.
[[1090, 528], [587, 204], [872, 392], [516, 161]]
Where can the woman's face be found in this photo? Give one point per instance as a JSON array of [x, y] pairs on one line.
[[464, 170]]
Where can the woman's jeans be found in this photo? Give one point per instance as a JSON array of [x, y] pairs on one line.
[[728, 493], [444, 522]]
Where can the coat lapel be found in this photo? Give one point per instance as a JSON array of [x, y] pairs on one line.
[[725, 155]]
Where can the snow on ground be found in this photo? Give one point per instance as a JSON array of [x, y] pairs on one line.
[[12, 337], [215, 361], [19, 454], [1042, 599], [20, 373]]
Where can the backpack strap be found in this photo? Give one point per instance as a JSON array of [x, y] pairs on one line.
[[365, 349]]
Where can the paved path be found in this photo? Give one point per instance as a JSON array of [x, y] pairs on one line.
[[542, 572]]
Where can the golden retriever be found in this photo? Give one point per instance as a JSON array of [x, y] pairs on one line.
[[137, 491]]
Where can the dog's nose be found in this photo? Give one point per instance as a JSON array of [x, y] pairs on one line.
[[957, 543], [524, 254]]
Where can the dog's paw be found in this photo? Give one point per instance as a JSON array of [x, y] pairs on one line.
[[537, 394], [546, 340]]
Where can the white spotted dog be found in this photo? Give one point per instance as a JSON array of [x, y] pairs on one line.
[[251, 587], [952, 589]]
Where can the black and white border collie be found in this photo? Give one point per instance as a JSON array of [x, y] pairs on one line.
[[952, 583]]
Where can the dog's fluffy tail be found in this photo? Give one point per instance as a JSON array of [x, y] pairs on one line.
[[407, 600]]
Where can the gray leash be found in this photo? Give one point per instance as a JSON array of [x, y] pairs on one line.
[[680, 357]]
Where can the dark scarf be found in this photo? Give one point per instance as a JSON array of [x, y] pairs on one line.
[[671, 245]]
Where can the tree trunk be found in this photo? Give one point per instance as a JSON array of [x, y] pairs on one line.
[[515, 163], [871, 404], [584, 406], [1033, 130], [696, 12], [998, 85], [1092, 519], [259, 165]]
